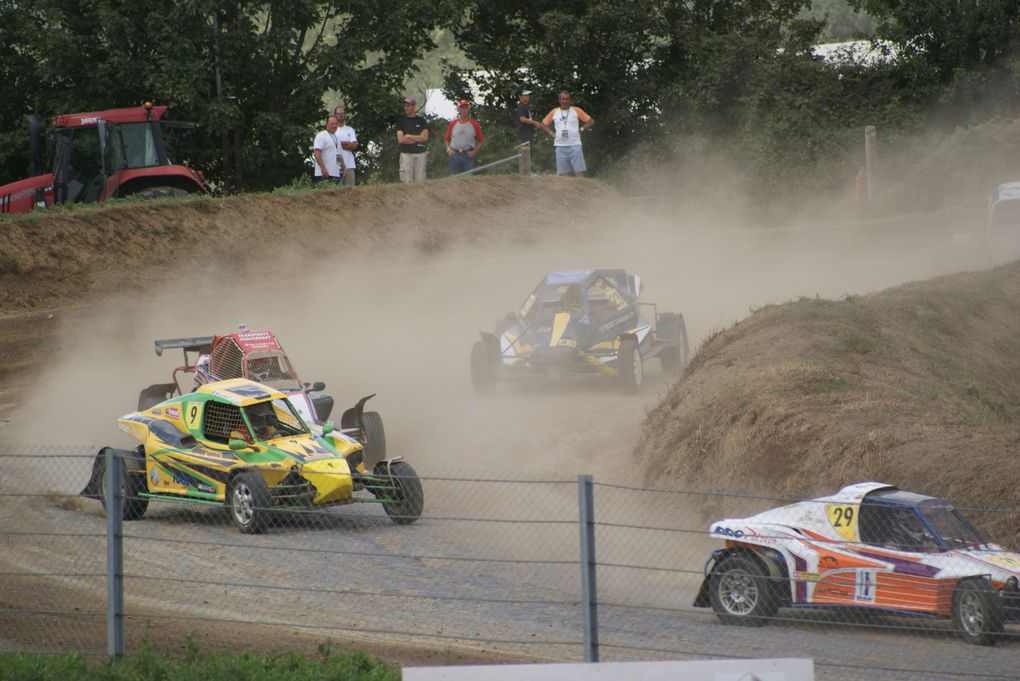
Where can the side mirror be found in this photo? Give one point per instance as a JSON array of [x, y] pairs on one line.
[[237, 445], [328, 427], [316, 387]]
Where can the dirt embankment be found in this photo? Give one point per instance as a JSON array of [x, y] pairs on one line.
[[53, 259], [916, 386]]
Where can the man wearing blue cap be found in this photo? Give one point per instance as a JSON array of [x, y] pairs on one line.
[[525, 123]]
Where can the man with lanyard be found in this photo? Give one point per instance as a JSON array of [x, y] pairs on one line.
[[348, 145], [329, 163], [412, 136], [569, 121], [463, 139]]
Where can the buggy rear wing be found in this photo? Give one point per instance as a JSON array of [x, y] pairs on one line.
[[202, 344]]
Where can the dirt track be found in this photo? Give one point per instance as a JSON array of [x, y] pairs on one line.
[[395, 312]]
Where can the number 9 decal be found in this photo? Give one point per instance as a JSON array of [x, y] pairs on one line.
[[194, 415]]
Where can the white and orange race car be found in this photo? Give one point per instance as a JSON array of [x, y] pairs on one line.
[[869, 545]]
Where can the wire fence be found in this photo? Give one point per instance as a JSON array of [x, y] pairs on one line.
[[524, 569]]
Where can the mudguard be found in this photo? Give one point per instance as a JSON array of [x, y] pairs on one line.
[[353, 417], [134, 460]]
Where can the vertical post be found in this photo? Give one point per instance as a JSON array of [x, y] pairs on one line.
[[525, 164], [114, 492], [589, 596], [870, 160]]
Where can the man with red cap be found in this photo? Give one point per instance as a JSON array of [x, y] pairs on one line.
[[463, 139]]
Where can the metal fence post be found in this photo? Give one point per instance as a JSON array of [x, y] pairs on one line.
[[114, 554], [589, 596]]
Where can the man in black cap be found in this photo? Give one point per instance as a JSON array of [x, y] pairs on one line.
[[525, 123]]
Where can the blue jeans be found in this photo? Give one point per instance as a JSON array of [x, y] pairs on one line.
[[460, 162]]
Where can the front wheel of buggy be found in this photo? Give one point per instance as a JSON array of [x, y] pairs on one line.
[[134, 505], [630, 366], [249, 502], [483, 369], [403, 500]]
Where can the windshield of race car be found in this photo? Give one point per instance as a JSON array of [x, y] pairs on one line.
[[272, 369], [276, 418], [955, 530]]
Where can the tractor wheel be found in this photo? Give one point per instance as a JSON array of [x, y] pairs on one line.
[[483, 368], [740, 592], [405, 501], [630, 366], [132, 486], [977, 612], [249, 501], [375, 438], [155, 394]]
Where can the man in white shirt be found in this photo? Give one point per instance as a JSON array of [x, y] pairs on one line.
[[329, 163], [348, 145], [570, 122]]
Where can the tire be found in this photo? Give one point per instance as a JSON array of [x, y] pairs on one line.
[[404, 503], [159, 193], [630, 366], [978, 614], [672, 364], [375, 438], [483, 368], [155, 394], [134, 505], [741, 593], [248, 500]]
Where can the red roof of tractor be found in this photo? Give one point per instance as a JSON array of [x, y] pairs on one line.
[[134, 114]]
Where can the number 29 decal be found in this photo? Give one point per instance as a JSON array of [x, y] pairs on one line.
[[843, 518]]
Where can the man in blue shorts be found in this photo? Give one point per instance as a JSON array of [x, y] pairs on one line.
[[568, 122]]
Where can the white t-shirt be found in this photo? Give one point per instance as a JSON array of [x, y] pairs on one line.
[[346, 134], [329, 144], [567, 124]]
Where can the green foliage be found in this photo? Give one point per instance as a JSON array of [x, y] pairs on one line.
[[196, 664], [252, 74]]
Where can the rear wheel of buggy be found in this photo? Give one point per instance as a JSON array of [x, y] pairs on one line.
[[249, 502], [405, 500], [131, 488], [630, 366], [483, 368], [375, 438], [740, 592], [154, 394]]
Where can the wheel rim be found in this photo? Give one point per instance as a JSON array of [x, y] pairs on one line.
[[244, 504], [972, 614], [738, 592]]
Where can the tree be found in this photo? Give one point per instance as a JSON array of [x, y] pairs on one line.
[[252, 74], [632, 65]]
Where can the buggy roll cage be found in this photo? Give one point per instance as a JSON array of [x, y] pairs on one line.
[[199, 345]]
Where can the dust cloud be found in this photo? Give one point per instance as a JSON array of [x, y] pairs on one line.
[[390, 319]]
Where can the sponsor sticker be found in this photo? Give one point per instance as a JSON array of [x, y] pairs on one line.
[[807, 576], [864, 585], [173, 413]]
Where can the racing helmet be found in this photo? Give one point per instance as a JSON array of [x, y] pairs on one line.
[[572, 299]]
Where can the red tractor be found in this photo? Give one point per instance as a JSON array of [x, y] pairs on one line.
[[101, 155]]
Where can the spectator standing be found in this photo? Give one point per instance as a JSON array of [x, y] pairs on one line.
[[412, 136], [329, 164], [348, 145], [526, 125], [463, 139], [569, 122]]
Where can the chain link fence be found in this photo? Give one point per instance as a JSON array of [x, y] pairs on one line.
[[522, 569]]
